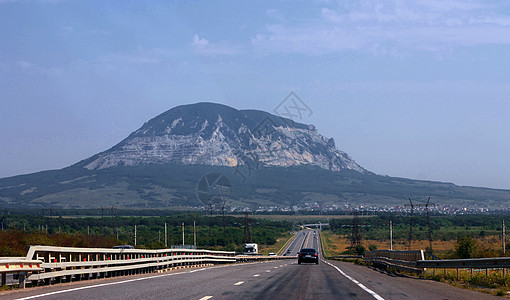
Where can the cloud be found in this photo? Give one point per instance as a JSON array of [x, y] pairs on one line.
[[199, 42], [203, 47], [383, 27]]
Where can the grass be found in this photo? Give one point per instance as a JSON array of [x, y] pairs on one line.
[[494, 283], [280, 242]]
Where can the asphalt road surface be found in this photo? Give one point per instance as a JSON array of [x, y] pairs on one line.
[[283, 279]]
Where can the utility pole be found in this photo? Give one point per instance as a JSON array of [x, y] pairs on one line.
[[88, 230], [391, 235], [194, 235], [411, 224], [223, 213], [503, 234], [166, 237], [183, 233], [135, 235], [428, 225]]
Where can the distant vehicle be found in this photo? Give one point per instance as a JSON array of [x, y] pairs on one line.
[[123, 247], [251, 249], [289, 251], [308, 255], [272, 254]]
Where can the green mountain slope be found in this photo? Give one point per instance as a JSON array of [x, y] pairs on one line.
[[172, 185]]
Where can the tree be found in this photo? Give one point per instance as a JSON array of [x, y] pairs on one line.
[[466, 247]]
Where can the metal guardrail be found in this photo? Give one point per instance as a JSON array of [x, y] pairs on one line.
[[404, 260], [476, 263], [414, 261], [345, 257], [17, 265], [48, 264]]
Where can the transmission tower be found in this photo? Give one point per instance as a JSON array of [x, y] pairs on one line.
[[247, 234], [429, 233], [356, 234]]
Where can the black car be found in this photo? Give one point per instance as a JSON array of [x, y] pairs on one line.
[[308, 255]]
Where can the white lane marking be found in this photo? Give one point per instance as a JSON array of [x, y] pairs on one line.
[[256, 275], [239, 283], [275, 267], [205, 298], [268, 271], [374, 294], [125, 281]]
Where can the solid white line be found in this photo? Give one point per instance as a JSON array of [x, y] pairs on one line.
[[121, 282], [239, 283], [205, 298], [374, 294]]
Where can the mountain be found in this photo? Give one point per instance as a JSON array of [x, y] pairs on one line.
[[194, 155], [218, 135]]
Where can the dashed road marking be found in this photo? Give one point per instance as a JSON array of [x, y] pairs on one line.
[[275, 267], [268, 271], [205, 298], [239, 283], [256, 275]]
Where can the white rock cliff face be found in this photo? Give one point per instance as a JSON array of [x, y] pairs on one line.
[[205, 141]]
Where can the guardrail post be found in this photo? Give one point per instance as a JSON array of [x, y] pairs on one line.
[[487, 272], [458, 274], [22, 280], [4, 279]]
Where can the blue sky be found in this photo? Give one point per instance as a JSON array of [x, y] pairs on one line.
[[417, 89]]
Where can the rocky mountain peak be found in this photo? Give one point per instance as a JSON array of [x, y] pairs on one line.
[[216, 134]]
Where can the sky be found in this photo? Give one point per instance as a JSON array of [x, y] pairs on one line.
[[417, 89]]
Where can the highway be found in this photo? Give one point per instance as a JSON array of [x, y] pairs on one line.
[[283, 279]]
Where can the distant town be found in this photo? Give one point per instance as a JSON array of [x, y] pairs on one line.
[[348, 208]]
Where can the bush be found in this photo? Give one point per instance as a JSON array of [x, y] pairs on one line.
[[360, 250], [466, 247]]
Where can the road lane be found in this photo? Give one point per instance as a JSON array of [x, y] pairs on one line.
[[283, 279], [276, 280]]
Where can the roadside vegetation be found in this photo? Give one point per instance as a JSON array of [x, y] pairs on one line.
[[217, 233], [453, 237]]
